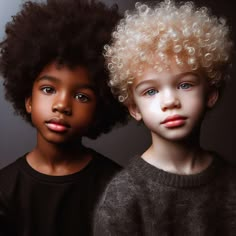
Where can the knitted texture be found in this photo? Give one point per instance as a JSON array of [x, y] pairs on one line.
[[144, 200]]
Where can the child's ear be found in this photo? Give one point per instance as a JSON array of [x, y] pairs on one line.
[[134, 111], [213, 96], [28, 102]]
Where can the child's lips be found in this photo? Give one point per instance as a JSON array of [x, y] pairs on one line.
[[57, 125], [174, 121]]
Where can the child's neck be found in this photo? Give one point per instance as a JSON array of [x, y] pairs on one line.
[[177, 157], [58, 160]]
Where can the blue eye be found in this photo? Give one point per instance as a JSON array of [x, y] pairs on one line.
[[185, 86], [48, 90], [151, 92], [81, 97]]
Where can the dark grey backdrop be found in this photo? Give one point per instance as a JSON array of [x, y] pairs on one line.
[[17, 137]]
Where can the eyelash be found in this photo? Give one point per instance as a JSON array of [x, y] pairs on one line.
[[182, 85], [79, 96], [149, 92], [82, 97], [44, 89], [152, 92]]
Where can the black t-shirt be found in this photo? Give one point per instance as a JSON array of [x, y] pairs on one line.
[[33, 204]]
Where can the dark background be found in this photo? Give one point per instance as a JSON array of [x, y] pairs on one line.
[[218, 131]]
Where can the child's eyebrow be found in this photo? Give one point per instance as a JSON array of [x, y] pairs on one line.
[[147, 81], [195, 75], [49, 78], [177, 76], [56, 80], [180, 75]]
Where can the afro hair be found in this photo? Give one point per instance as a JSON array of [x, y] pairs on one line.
[[70, 32]]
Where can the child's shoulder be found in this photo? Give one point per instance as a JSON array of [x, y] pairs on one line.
[[126, 181], [227, 169], [12, 168], [101, 167], [9, 174], [103, 162]]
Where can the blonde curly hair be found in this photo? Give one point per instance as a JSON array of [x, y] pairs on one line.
[[192, 36]]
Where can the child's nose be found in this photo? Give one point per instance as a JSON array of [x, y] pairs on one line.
[[62, 105], [170, 100]]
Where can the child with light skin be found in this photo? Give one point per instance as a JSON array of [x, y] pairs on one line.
[[54, 76], [167, 65]]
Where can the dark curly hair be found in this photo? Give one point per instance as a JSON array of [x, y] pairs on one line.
[[70, 32]]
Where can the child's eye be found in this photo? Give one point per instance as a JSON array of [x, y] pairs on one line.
[[82, 97], [185, 86], [151, 92], [48, 90]]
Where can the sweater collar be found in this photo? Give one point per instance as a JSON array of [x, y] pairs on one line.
[[144, 170]]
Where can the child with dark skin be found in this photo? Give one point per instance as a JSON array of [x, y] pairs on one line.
[[54, 76], [168, 64]]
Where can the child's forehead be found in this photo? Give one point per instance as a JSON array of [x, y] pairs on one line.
[[59, 73], [172, 70]]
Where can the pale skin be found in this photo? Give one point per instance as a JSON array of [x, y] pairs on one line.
[[172, 105], [62, 107]]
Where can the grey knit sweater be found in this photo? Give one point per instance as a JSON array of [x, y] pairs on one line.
[[144, 200]]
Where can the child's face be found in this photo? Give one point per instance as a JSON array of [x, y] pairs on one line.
[[62, 104], [171, 103]]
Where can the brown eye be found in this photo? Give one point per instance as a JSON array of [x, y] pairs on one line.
[[81, 97], [48, 90]]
